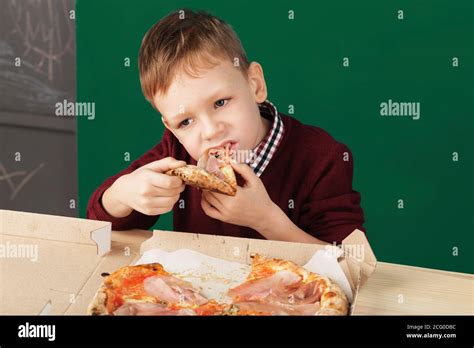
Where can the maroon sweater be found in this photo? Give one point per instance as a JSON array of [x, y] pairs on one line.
[[307, 178]]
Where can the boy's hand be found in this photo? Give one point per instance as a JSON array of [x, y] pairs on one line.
[[146, 190], [248, 207]]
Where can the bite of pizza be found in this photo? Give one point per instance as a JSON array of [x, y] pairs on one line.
[[213, 172]]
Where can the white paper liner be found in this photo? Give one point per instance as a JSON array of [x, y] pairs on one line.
[[214, 277]]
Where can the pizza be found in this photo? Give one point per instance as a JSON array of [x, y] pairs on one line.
[[149, 290], [213, 172], [280, 287], [273, 287]]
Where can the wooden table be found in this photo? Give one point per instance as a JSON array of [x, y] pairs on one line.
[[398, 289], [392, 289]]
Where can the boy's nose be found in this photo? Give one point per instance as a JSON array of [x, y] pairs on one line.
[[210, 130]]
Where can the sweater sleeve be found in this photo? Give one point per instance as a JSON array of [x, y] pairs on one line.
[[333, 209], [95, 209]]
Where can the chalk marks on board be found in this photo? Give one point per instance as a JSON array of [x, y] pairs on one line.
[[37, 54], [47, 39], [16, 187]]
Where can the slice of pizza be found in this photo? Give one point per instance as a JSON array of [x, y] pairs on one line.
[[213, 172], [149, 290], [279, 287]]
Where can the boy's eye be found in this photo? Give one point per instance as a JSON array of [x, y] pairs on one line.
[[221, 102], [185, 123]]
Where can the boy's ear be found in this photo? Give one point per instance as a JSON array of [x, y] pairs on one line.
[[257, 82], [165, 122], [169, 128]]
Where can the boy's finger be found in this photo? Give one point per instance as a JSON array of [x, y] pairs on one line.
[[209, 210], [170, 182], [165, 181], [160, 192], [212, 198], [165, 164], [245, 171]]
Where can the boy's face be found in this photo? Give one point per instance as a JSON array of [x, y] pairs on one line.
[[218, 107]]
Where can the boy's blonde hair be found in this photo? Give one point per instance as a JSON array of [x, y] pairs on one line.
[[185, 41]]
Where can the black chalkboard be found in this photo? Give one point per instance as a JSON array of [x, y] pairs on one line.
[[37, 55], [38, 160]]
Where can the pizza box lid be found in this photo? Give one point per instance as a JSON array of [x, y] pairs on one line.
[[357, 259], [47, 261]]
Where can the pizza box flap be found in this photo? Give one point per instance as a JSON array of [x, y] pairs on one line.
[[56, 228], [47, 260], [241, 249], [359, 255]]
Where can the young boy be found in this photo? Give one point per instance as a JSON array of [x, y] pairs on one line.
[[298, 187]]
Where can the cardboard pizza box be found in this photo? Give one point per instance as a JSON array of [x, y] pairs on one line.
[[357, 259], [46, 261], [54, 265]]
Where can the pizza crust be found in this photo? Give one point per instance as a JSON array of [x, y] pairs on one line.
[[98, 304], [333, 301], [198, 177]]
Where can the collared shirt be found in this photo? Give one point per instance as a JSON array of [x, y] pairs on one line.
[[264, 151]]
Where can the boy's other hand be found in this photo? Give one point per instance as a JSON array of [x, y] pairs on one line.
[[147, 190], [250, 207]]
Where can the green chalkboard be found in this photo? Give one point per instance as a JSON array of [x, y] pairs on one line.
[[335, 63]]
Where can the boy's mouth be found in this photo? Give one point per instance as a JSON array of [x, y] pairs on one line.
[[233, 144]]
